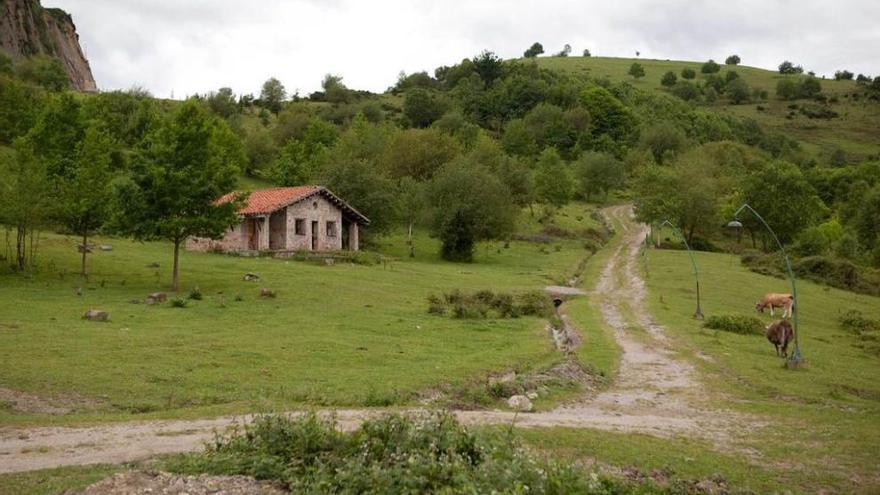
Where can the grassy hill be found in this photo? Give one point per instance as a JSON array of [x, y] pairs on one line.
[[855, 130]]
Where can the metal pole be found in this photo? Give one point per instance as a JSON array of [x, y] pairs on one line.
[[698, 314], [795, 357]]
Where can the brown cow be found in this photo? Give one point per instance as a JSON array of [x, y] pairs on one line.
[[773, 300], [780, 333]]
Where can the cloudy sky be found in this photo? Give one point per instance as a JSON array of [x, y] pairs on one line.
[[179, 47]]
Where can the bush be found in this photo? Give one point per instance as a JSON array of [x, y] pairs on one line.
[[710, 67], [853, 320], [195, 294], [485, 303], [842, 274], [669, 79], [688, 73], [685, 90], [744, 325], [395, 454], [178, 303]]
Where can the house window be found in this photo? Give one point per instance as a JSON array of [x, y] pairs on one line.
[[331, 229], [299, 226]]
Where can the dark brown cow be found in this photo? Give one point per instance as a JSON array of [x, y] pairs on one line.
[[780, 333]]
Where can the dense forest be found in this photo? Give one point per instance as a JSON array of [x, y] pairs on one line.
[[461, 153]]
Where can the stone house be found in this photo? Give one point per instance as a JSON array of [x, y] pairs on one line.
[[302, 218]]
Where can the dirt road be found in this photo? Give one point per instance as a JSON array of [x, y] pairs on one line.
[[655, 391]]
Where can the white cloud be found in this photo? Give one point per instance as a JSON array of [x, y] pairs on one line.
[[199, 45]]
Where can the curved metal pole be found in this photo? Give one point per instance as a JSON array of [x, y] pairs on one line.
[[795, 357], [699, 313]]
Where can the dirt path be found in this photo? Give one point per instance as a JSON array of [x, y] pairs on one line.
[[655, 392]]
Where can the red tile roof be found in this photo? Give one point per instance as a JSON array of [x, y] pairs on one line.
[[266, 201]]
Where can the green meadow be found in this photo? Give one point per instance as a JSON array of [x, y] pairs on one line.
[[340, 335]]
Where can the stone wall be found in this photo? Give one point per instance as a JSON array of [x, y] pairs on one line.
[[314, 209], [235, 239]]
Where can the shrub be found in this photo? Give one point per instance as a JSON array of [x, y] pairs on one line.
[[688, 73], [853, 320], [395, 454], [685, 90], [669, 79], [710, 67], [733, 60], [178, 302], [745, 325], [195, 294], [485, 303]]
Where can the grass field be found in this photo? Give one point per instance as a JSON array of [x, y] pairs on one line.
[[854, 131], [825, 415], [342, 335]]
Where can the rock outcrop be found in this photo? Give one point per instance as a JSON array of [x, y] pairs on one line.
[[27, 29]]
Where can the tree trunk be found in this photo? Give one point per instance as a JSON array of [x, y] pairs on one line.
[[174, 278], [85, 249], [21, 246], [409, 240]]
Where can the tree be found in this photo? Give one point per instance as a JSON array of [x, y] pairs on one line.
[[19, 106], [636, 70], [688, 73], [710, 67], [843, 75], [686, 90], [669, 79], [299, 160], [534, 50], [422, 107], [566, 51], [784, 197], [787, 89], [553, 183], [25, 199], [787, 67], [599, 173], [488, 66], [730, 76], [419, 153], [260, 150], [867, 219], [223, 102], [334, 90], [468, 204], [412, 205], [84, 192], [587, 53], [189, 162], [609, 115], [365, 187], [738, 91], [45, 71], [732, 60], [273, 95], [663, 140]]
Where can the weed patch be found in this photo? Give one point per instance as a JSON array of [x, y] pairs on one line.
[[744, 325], [485, 304]]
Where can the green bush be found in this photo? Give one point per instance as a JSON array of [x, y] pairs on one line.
[[396, 454], [178, 302], [195, 294], [485, 303], [853, 320], [744, 325]]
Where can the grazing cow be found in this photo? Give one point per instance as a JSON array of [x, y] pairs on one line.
[[780, 333], [772, 300]]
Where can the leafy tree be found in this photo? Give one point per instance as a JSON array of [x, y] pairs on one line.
[[810, 87], [664, 140], [299, 160], [468, 204], [25, 199], [669, 79], [534, 50], [223, 102], [414, 80], [566, 51], [730, 76], [84, 192], [738, 91], [260, 150], [688, 73], [732, 60], [334, 90], [843, 75], [19, 105], [787, 67], [553, 183], [518, 139], [787, 89], [45, 71], [686, 90], [863, 79], [273, 95], [609, 116], [488, 66], [57, 132], [867, 219], [710, 67], [636, 70], [365, 187], [422, 107], [412, 206], [600, 173], [548, 126], [419, 153], [184, 166], [784, 197], [587, 53], [516, 176]]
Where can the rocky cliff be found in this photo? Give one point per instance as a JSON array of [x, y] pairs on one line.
[[26, 29]]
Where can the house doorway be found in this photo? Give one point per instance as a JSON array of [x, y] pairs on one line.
[[314, 236], [253, 234]]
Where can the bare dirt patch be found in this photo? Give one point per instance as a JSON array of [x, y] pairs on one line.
[[54, 405]]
